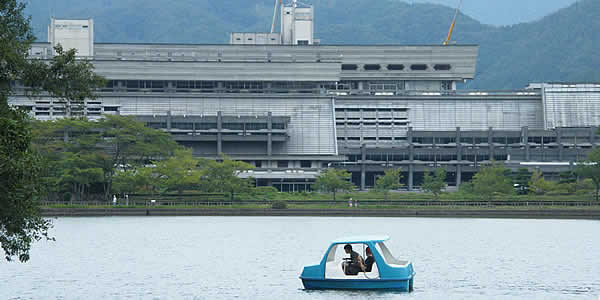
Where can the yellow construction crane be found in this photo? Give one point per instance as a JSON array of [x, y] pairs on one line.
[[447, 41]]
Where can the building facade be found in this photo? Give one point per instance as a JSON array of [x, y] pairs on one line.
[[294, 110]]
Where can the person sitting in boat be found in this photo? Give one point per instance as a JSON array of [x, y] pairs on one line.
[[370, 260], [354, 264]]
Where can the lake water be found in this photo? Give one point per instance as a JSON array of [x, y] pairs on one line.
[[262, 257]]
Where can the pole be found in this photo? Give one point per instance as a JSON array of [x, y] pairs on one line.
[[274, 16]]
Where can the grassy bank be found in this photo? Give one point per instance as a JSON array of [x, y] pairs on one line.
[[325, 207], [370, 195]]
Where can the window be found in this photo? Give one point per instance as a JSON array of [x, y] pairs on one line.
[[278, 125], [305, 164], [349, 67], [182, 126], [282, 163], [395, 67], [206, 126], [499, 140], [302, 42], [233, 126], [372, 67], [256, 126], [235, 85], [336, 256], [513, 140], [446, 85], [157, 125], [418, 67], [442, 67]]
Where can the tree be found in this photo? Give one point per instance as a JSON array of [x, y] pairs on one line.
[[66, 78], [590, 168], [127, 181], [224, 176], [492, 179], [127, 143], [179, 171], [334, 180], [568, 181], [436, 183], [20, 220], [521, 179], [538, 185], [389, 181], [114, 143]]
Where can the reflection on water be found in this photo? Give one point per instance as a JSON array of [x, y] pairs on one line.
[[262, 257]]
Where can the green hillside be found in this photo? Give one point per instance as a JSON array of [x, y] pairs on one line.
[[559, 47]]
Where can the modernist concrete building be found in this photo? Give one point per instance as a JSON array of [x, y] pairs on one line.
[[292, 108]]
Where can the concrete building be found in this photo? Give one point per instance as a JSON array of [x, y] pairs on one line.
[[292, 111], [72, 34]]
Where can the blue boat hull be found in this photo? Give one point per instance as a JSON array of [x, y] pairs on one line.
[[358, 284]]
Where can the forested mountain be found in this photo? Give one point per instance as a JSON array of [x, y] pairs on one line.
[[559, 47], [505, 12]]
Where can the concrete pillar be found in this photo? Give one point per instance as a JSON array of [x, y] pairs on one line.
[[491, 142], [410, 176], [411, 158], [270, 134], [219, 134], [458, 157], [525, 137], [458, 175], [435, 152], [169, 120], [363, 167], [561, 152]]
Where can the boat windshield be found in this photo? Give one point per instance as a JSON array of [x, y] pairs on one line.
[[388, 257]]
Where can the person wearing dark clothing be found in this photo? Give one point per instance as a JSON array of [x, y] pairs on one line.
[[369, 261], [354, 264]]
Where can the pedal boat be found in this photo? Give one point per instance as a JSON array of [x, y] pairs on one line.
[[387, 272]]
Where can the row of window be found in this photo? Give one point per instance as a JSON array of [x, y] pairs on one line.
[[371, 138], [386, 157], [201, 84], [213, 125], [354, 109], [484, 140], [396, 67], [404, 124]]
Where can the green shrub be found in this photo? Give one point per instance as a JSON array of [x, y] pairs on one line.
[[279, 204], [67, 197]]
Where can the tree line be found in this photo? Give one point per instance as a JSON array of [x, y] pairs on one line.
[[492, 180], [119, 155]]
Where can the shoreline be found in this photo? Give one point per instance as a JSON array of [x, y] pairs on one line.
[[539, 213]]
